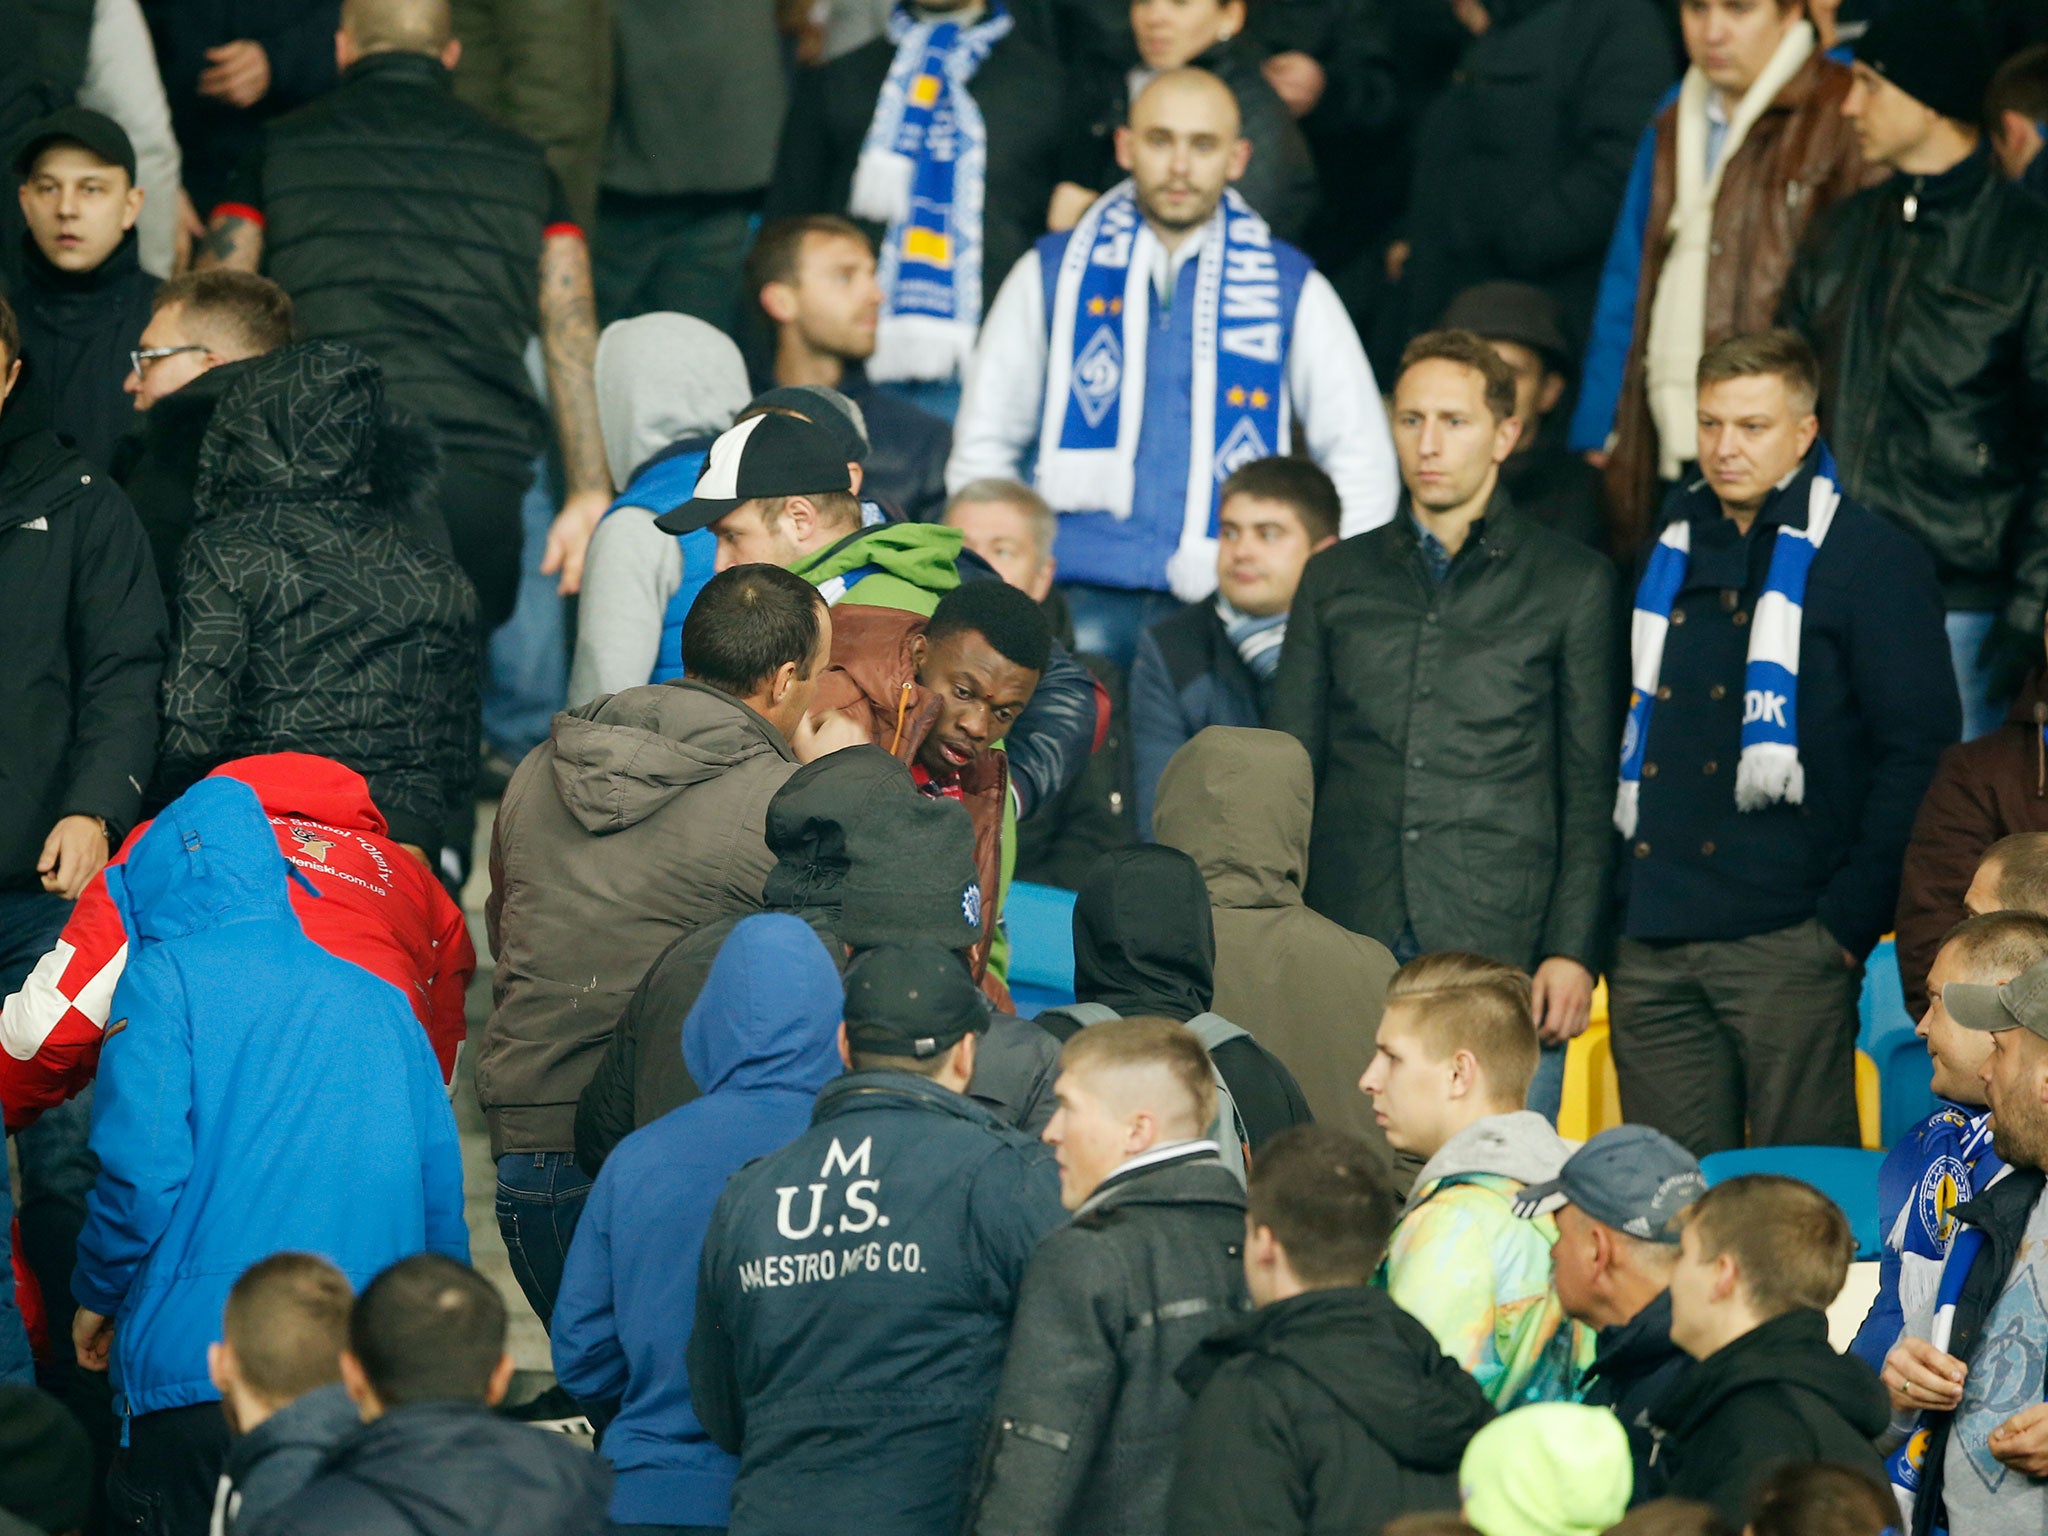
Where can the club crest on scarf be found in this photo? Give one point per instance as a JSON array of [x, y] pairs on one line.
[[923, 173]]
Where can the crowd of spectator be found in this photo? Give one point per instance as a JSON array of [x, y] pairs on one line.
[[1444, 524]]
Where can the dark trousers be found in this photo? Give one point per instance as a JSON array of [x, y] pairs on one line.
[[164, 1483], [680, 253], [667, 1530], [480, 497], [1709, 1036], [540, 1200]]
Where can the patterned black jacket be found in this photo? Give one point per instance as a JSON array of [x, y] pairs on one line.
[[314, 614]]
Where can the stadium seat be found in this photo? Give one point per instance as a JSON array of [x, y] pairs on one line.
[[1846, 1176], [1886, 1034], [1040, 922]]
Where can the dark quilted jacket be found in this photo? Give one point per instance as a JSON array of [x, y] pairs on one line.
[[311, 617]]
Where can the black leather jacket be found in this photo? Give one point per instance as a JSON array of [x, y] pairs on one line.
[[1926, 298]]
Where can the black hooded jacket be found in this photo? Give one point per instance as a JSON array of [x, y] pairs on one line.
[[310, 618], [1145, 945], [1778, 1394], [849, 829], [77, 329], [82, 630], [158, 466], [1634, 1365], [1326, 1414], [449, 1469]]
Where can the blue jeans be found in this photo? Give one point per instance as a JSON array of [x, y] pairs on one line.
[[1982, 714], [540, 1200], [1108, 620], [528, 678], [1546, 1088], [29, 924]]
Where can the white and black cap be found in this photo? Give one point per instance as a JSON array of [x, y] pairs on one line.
[[772, 455]]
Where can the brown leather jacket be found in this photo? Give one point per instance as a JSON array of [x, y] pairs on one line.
[[1983, 790], [873, 679], [1800, 156]]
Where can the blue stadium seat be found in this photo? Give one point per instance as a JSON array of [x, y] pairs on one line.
[[1886, 1037], [1845, 1175], [1040, 922]]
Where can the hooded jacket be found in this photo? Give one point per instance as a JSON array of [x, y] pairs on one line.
[[862, 858], [890, 565], [83, 632], [853, 1303], [762, 1040], [77, 329], [448, 1469], [1778, 1394], [1634, 1365], [1982, 790], [1088, 1414], [311, 618], [667, 385], [257, 1094], [158, 466], [1477, 1275], [640, 818], [1240, 803], [1326, 1414], [270, 1464], [358, 895], [1144, 945]]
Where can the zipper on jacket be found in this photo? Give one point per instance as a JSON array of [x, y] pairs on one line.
[[1911, 206]]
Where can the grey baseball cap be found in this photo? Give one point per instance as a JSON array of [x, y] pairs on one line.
[[2021, 1003], [1630, 1178]]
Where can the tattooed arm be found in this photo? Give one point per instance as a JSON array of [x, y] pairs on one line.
[[232, 240], [568, 335]]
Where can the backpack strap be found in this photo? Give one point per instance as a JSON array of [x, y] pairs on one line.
[[1233, 1141]]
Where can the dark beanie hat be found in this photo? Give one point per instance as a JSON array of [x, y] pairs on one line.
[[46, 1473], [855, 842], [1936, 51]]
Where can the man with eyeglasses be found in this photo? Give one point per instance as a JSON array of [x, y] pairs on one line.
[[84, 298], [203, 327]]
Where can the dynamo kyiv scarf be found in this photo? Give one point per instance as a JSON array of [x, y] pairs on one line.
[[1769, 771], [923, 172]]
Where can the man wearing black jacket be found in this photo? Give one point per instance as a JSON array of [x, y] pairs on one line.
[[82, 627], [1926, 297], [84, 297], [1328, 1409], [1086, 1420]]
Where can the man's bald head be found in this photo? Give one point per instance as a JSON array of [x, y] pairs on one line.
[[1183, 145], [397, 26]]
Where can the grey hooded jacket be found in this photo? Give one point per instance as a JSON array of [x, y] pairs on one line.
[[641, 818]]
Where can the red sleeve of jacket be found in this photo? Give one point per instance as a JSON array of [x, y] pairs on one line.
[[1958, 820], [50, 1030]]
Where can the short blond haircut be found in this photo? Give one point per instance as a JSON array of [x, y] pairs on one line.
[[1120, 1044], [1791, 1243], [1461, 1002]]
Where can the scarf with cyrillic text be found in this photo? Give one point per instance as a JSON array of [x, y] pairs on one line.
[[1769, 771], [923, 172], [1246, 289]]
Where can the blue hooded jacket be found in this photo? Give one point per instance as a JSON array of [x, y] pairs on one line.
[[761, 1041], [255, 1094]]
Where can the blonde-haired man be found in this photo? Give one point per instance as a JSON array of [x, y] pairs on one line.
[[1451, 1069], [1088, 1414]]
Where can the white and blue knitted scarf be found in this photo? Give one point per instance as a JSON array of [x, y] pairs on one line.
[[1769, 771], [923, 172]]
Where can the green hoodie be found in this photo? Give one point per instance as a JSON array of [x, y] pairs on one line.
[[891, 565]]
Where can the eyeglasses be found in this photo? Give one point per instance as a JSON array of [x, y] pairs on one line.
[[149, 355]]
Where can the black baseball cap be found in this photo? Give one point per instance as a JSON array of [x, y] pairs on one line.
[[1630, 1178], [771, 455], [913, 999], [77, 125]]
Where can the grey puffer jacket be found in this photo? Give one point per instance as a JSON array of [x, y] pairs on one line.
[[1089, 1412], [640, 819]]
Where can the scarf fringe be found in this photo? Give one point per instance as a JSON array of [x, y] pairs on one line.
[[1769, 773], [920, 347], [881, 186]]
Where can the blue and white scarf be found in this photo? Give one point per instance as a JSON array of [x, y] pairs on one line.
[[1246, 289], [1769, 771], [1257, 640], [923, 171]]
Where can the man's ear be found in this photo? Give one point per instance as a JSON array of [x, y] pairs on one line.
[[220, 1366], [1240, 158], [13, 378], [1505, 436], [1260, 1245], [1809, 429], [356, 1381], [134, 207], [785, 679], [845, 1046], [967, 1051], [500, 1382], [1551, 392], [1143, 1134], [778, 302], [344, 52], [1322, 544], [1123, 148], [802, 516], [452, 54], [919, 649], [1727, 1278], [1464, 1074]]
